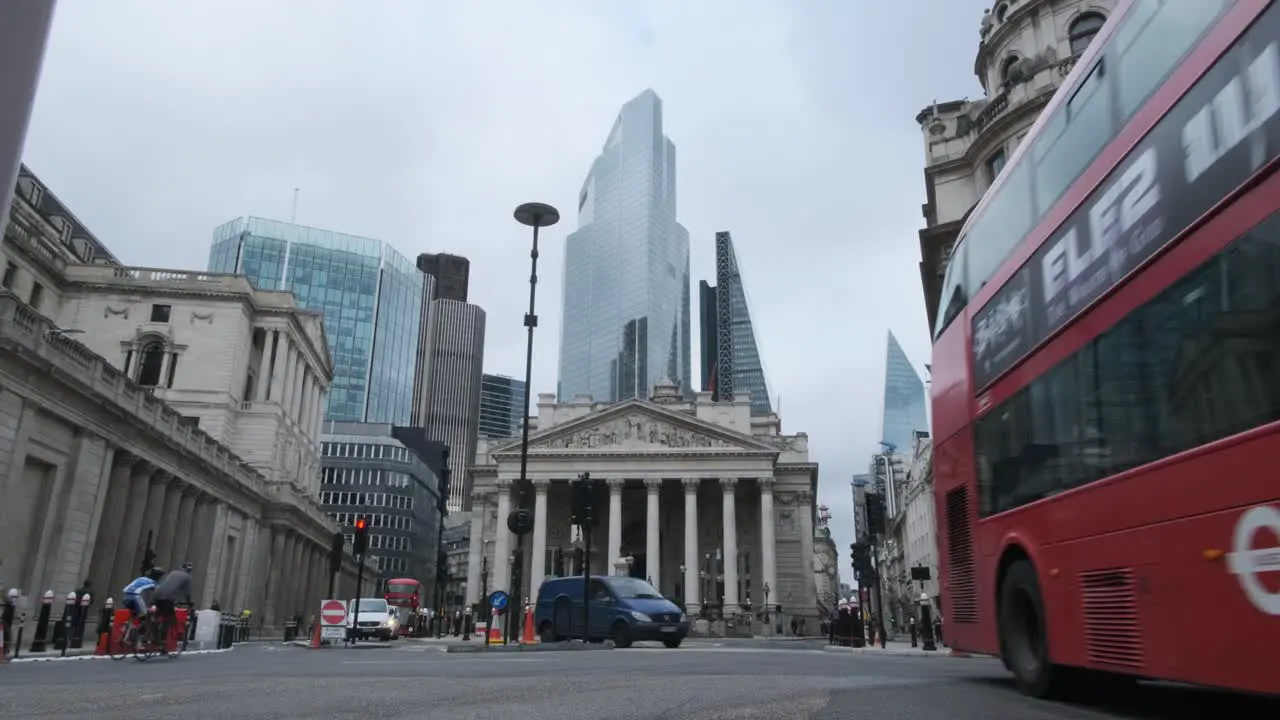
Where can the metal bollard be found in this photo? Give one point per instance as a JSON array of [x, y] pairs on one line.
[[62, 631], [105, 617], [40, 641], [81, 618], [7, 614]]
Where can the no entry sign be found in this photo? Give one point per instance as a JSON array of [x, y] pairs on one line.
[[333, 619]]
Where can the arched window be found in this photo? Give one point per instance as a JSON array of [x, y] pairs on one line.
[[150, 364], [1007, 69], [1082, 31], [1001, 12]]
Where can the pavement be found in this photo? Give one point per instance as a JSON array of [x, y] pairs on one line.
[[702, 680]]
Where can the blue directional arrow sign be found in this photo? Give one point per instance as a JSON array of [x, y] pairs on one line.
[[498, 600]]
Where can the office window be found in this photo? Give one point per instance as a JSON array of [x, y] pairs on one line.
[[160, 313]]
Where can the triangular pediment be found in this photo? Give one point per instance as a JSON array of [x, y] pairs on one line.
[[637, 425]]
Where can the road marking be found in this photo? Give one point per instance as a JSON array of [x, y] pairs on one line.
[[151, 697], [459, 659]]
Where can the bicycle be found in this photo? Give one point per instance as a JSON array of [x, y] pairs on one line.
[[159, 631]]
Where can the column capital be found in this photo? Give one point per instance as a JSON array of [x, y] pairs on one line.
[[160, 477], [125, 459], [615, 484], [728, 484], [188, 489], [653, 485], [540, 484], [766, 483], [690, 484]]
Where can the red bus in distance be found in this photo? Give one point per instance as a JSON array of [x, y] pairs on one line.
[[405, 594], [1106, 369]]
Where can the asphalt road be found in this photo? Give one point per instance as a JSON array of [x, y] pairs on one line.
[[702, 681]]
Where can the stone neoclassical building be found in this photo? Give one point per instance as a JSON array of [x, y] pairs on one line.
[[138, 403], [710, 504]]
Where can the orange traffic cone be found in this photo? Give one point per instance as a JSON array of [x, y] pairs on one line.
[[315, 637], [529, 636]]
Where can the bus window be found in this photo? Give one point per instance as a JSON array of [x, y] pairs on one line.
[[1072, 138], [953, 294], [1155, 36], [1004, 222]]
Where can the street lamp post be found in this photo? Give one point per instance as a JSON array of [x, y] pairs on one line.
[[520, 521], [926, 623]]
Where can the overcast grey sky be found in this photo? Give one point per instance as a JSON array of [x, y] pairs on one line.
[[425, 122]]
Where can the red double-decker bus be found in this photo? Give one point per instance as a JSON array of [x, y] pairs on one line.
[[1106, 368], [405, 594]]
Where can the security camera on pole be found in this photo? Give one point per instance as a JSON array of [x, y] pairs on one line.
[[520, 520]]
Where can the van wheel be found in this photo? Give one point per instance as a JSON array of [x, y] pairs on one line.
[[1024, 640], [672, 643], [621, 635], [546, 632]]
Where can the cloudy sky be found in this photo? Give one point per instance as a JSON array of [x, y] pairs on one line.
[[425, 122]]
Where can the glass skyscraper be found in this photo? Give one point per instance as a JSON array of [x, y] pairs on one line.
[[731, 365], [904, 410], [626, 268], [371, 297], [501, 406]]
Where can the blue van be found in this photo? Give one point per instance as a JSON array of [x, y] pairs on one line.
[[623, 609]]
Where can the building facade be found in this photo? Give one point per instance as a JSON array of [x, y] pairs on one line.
[[708, 502], [904, 400], [1027, 49], [501, 406], [97, 467], [732, 366], [625, 321], [452, 274], [920, 521], [449, 407], [370, 296], [456, 547], [369, 472]]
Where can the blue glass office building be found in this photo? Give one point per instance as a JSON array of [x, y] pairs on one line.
[[731, 363], [904, 401], [626, 268], [371, 297]]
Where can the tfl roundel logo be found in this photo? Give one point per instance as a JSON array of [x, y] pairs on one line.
[[1255, 557]]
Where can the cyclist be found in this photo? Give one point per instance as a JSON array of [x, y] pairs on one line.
[[135, 593], [174, 586]]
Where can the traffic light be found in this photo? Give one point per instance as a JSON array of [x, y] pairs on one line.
[[875, 514], [861, 558], [586, 501], [335, 552], [361, 541]]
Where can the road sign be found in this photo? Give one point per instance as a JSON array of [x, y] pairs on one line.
[[1247, 562], [498, 600], [333, 619]]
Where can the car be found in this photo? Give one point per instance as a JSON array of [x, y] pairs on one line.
[[622, 609], [371, 618]]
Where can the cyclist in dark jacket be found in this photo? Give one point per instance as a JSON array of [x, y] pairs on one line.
[[175, 586]]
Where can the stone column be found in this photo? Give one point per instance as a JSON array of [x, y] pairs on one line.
[[278, 372], [169, 525], [298, 586], [615, 523], [538, 561], [153, 515], [24, 30], [186, 515], [124, 567], [502, 544], [110, 529], [768, 542], [264, 366], [691, 561], [299, 383], [270, 605], [652, 532], [808, 588], [479, 509], [730, 507], [304, 406]]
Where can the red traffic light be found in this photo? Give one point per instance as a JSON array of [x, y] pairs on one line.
[[360, 523]]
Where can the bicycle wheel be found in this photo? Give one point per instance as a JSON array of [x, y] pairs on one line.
[[180, 638], [122, 641], [147, 647]]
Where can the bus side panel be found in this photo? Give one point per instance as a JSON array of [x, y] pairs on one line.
[[949, 381], [1107, 607], [1209, 610]]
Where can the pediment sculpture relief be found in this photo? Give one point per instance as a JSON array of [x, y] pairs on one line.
[[635, 431]]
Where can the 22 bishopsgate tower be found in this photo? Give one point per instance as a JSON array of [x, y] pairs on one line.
[[626, 268]]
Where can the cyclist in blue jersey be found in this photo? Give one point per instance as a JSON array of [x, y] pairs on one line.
[[133, 595]]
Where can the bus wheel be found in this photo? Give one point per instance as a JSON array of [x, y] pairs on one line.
[[1024, 642]]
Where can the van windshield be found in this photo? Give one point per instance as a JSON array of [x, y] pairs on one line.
[[368, 605], [625, 588]]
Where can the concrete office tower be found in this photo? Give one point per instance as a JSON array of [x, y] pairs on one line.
[[452, 274], [626, 268], [731, 364], [370, 295], [449, 405]]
